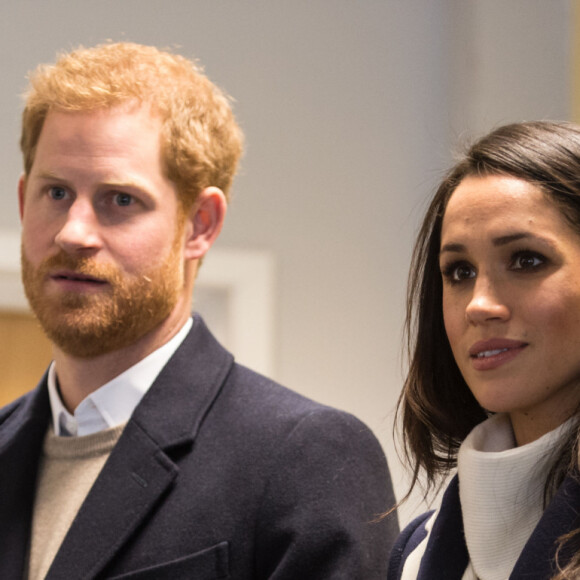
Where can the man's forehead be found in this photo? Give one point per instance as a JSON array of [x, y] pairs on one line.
[[115, 142], [129, 107], [134, 124]]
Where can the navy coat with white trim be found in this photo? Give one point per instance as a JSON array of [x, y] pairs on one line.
[[446, 556]]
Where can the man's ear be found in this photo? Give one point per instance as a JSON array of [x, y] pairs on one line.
[[21, 188], [204, 222]]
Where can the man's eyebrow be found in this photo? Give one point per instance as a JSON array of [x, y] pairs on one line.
[[49, 175], [128, 183]]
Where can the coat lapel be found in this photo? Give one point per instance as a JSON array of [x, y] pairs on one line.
[[562, 515], [21, 439], [141, 467], [446, 555], [135, 476]]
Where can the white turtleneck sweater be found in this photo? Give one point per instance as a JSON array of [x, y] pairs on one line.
[[501, 489]]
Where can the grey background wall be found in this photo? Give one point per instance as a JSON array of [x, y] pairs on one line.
[[351, 111]]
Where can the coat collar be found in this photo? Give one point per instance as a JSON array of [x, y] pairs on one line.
[[173, 409], [137, 473]]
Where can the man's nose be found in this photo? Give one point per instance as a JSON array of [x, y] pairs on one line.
[[80, 231]]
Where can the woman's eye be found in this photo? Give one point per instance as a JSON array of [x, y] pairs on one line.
[[57, 193], [123, 199], [458, 272], [463, 272], [526, 261]]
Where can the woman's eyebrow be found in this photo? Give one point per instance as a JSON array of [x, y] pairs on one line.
[[452, 247], [503, 240], [498, 241]]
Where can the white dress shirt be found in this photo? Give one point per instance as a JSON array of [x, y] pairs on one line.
[[113, 403]]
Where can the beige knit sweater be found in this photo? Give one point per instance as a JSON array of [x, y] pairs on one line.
[[69, 466]]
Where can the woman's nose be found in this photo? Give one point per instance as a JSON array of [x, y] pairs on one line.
[[486, 303]]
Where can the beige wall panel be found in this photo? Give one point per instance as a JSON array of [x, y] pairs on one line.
[[24, 354]]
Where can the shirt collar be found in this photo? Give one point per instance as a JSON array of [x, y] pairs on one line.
[[113, 403]]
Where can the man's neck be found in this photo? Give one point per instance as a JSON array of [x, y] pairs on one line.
[[79, 377]]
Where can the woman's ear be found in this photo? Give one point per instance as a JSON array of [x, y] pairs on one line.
[[204, 222]]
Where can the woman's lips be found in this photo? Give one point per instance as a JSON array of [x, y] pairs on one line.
[[490, 354]]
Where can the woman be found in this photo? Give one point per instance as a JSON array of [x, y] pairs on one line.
[[493, 327]]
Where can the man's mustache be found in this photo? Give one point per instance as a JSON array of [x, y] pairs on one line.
[[80, 265]]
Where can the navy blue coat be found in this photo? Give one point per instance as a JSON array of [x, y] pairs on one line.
[[219, 474], [446, 556]]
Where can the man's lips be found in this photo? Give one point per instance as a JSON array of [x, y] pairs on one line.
[[72, 276], [490, 354]]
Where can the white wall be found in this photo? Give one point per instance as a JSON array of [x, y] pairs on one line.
[[511, 62], [350, 109]]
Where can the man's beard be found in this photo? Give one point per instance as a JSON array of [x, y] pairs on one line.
[[87, 325]]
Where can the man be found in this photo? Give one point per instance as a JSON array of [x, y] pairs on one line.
[[145, 451]]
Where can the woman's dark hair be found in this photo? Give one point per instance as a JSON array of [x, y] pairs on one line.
[[436, 406]]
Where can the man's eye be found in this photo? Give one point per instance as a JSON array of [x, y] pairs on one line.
[[123, 199], [57, 193]]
